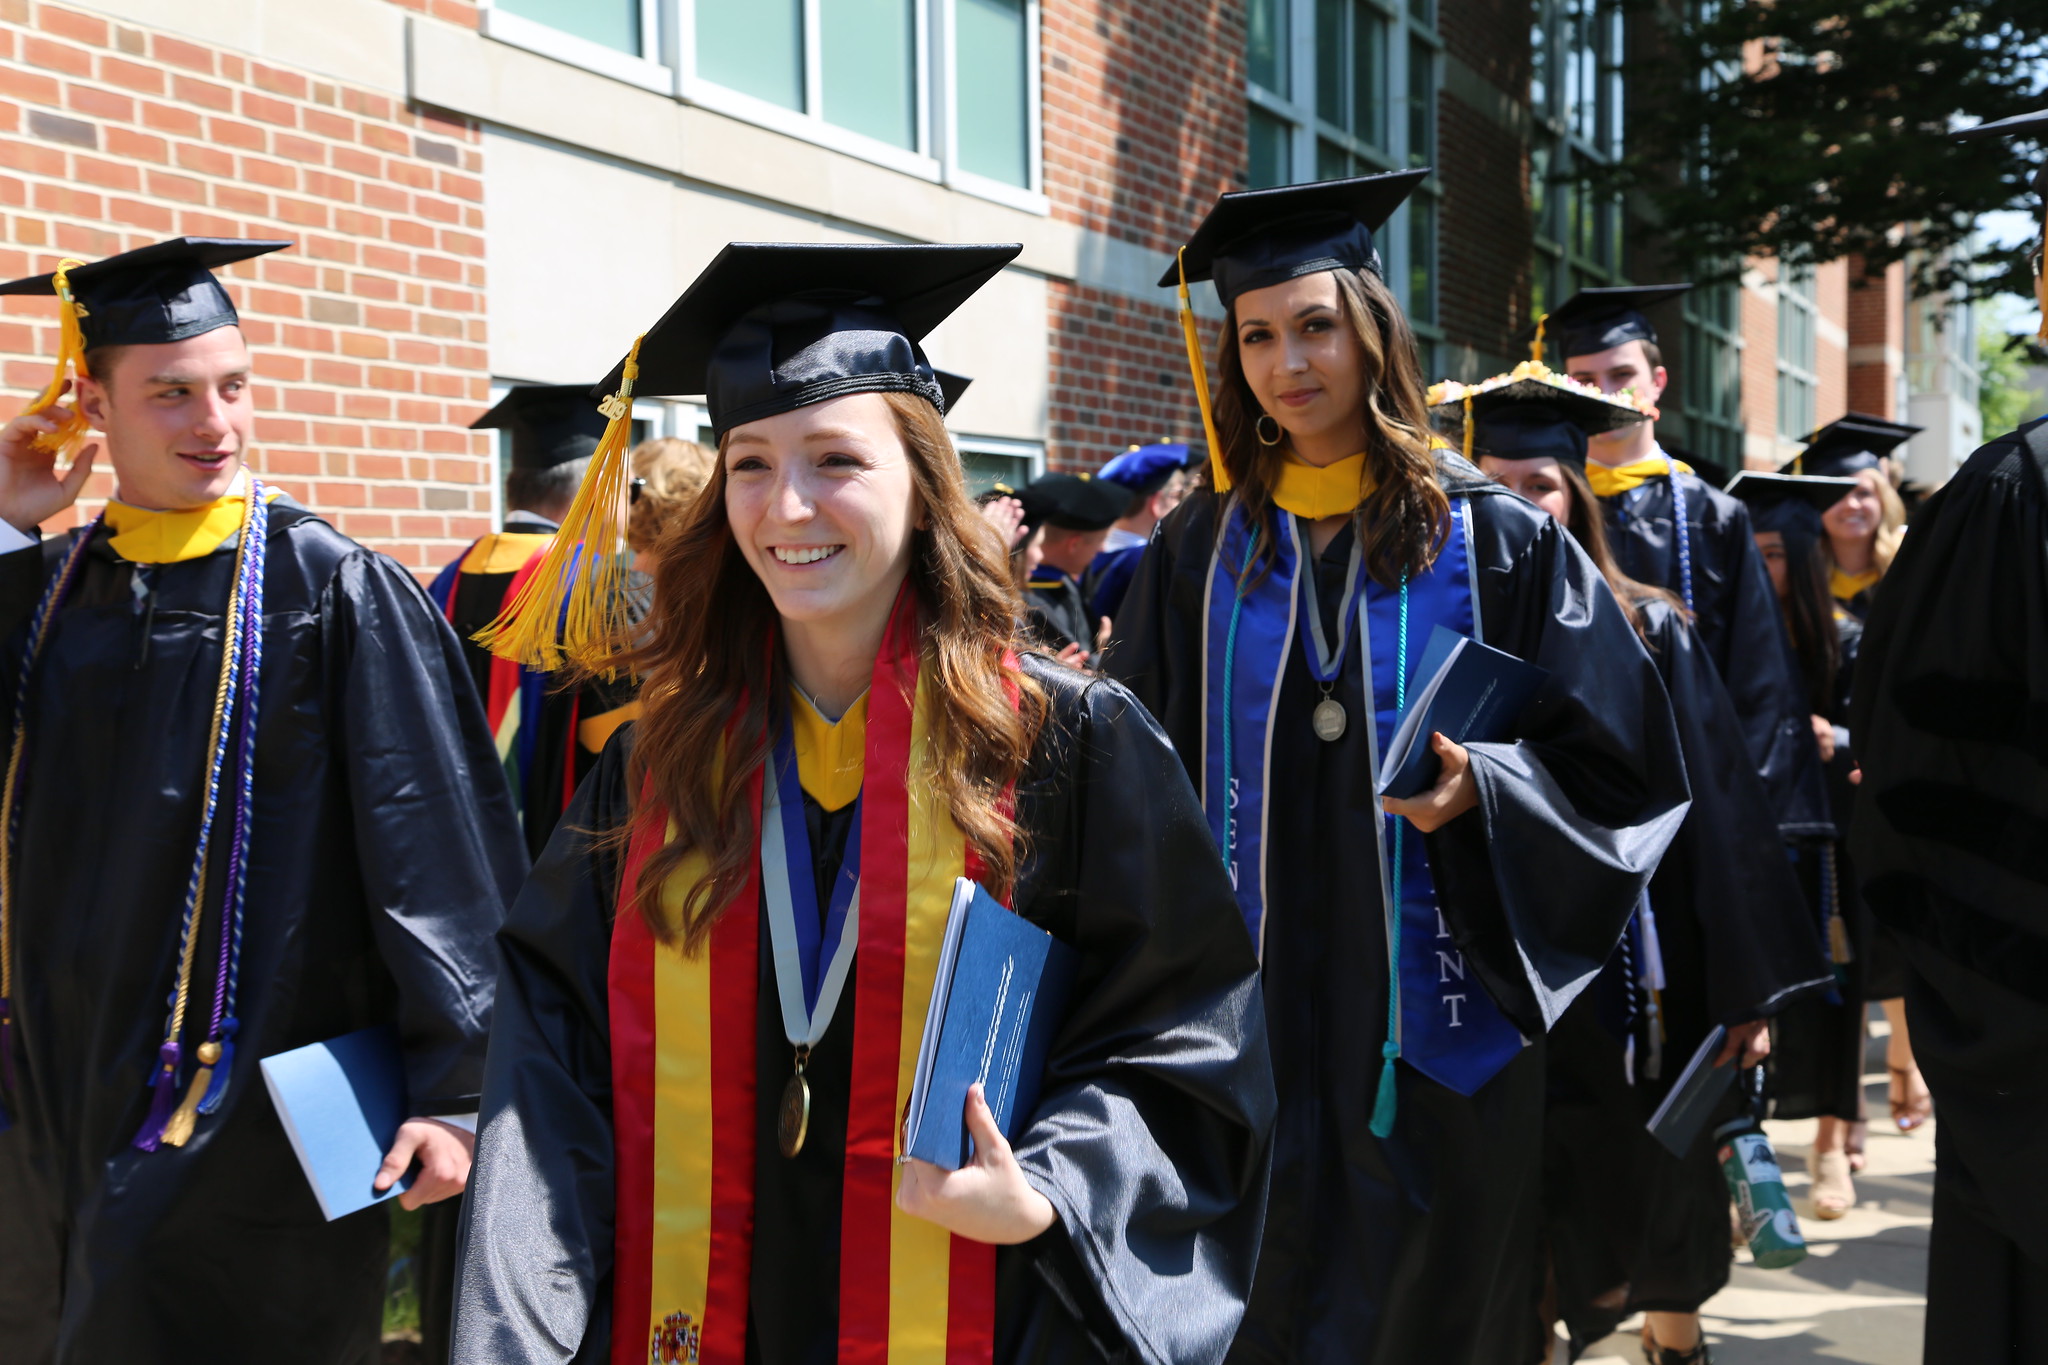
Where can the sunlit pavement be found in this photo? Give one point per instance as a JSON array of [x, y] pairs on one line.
[[1860, 1294]]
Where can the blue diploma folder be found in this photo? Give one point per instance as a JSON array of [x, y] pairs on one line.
[[1466, 691], [341, 1103], [999, 997]]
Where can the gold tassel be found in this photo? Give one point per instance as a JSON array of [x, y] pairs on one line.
[[1838, 940], [185, 1118], [1536, 346], [70, 360], [1468, 426], [572, 608], [1217, 473]]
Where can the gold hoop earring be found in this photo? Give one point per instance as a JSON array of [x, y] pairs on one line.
[[1259, 430]]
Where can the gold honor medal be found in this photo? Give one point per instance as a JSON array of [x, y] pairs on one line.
[[793, 1124], [1329, 720]]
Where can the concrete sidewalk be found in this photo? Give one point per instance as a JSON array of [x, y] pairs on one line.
[[1860, 1295]]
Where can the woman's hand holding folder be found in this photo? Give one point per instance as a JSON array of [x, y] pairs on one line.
[[987, 1200]]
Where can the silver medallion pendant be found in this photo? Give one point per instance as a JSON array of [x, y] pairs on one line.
[[1329, 720]]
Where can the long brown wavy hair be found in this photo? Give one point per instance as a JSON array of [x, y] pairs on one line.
[[1403, 524], [714, 679]]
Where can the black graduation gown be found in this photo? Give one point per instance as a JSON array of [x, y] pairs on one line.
[[1150, 1138], [383, 853], [1427, 1246], [560, 762], [1057, 612], [1738, 944], [1736, 615], [1951, 841]]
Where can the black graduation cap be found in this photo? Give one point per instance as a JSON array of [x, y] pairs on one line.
[[951, 386], [1528, 419], [2034, 125], [1073, 502], [1603, 318], [551, 424], [1848, 445], [1256, 238], [162, 292], [1789, 504], [772, 326]]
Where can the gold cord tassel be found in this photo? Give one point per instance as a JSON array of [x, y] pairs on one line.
[[572, 609], [1536, 346], [1468, 426], [70, 361], [185, 1119], [1217, 474]]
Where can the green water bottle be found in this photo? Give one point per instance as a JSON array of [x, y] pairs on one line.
[[1757, 1186]]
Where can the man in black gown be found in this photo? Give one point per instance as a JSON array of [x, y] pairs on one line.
[[1951, 840], [380, 854], [1076, 512], [1707, 556]]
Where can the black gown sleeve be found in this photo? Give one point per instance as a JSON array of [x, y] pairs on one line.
[[1761, 950], [439, 845], [1574, 814], [1150, 1135], [536, 1258]]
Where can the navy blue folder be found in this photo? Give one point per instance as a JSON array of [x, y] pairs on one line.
[[999, 997], [1468, 692], [1693, 1097], [341, 1103]]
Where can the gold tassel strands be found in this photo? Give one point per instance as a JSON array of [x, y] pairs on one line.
[[185, 1119], [1468, 426], [572, 608], [70, 362], [1536, 346], [1200, 373]]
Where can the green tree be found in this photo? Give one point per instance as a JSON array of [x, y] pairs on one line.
[[2004, 397], [1811, 130]]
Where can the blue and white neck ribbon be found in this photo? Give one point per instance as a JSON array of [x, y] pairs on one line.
[[812, 958]]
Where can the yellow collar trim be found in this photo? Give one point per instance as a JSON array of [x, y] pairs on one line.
[[829, 756], [505, 551], [142, 536], [1845, 586], [1317, 492], [1606, 481]]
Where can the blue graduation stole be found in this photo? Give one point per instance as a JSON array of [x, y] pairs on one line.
[[1450, 1029]]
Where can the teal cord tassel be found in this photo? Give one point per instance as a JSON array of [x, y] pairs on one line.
[[1387, 1100]]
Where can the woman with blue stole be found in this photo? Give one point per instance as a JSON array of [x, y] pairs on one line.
[[1272, 627], [1721, 937], [716, 982]]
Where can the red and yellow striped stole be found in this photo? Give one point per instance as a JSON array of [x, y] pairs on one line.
[[683, 1074]]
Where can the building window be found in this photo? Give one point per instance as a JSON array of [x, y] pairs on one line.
[[1711, 379], [1575, 93], [947, 90], [1339, 88], [1798, 329], [987, 461]]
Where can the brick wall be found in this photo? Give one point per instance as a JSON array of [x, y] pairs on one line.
[[368, 336], [1877, 338], [1485, 230], [1144, 125]]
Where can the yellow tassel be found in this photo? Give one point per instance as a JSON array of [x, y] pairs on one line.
[[1468, 426], [185, 1118], [1217, 474], [70, 361], [572, 609], [1536, 346]]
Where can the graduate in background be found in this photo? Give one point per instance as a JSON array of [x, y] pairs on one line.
[[1864, 529], [1413, 955], [1818, 1069], [1948, 839], [1669, 528], [548, 730], [1722, 937], [250, 775], [1155, 477], [698, 1148], [1072, 514]]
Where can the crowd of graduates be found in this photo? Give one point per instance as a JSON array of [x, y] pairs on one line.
[[639, 828]]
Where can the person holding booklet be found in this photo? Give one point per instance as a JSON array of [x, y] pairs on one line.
[[1722, 937], [1414, 951], [714, 987]]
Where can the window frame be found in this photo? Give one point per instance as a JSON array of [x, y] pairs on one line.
[[1797, 289], [1007, 448], [1555, 241], [1707, 342], [649, 73], [1307, 129]]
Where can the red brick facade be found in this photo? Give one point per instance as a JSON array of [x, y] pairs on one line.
[[1143, 115], [368, 336]]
